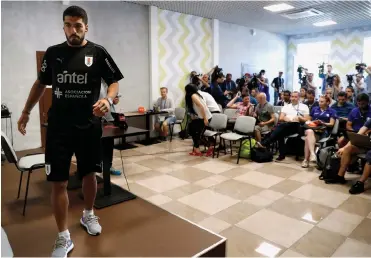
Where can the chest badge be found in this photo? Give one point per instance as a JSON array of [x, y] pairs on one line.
[[88, 61]]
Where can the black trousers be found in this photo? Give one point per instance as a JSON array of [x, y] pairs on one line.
[[107, 152], [196, 128], [279, 134]]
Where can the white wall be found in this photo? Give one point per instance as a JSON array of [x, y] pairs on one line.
[[265, 50], [122, 28]]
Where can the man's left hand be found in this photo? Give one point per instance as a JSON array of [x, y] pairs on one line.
[[261, 124], [101, 107]]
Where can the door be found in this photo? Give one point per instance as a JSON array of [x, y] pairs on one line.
[[45, 101]]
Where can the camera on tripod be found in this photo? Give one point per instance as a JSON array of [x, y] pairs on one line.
[[302, 79], [360, 67]]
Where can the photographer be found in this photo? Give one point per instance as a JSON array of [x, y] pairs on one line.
[[368, 80], [360, 86], [328, 80], [310, 84], [278, 85], [337, 87], [217, 78], [263, 84]]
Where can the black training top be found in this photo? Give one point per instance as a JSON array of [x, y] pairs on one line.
[[75, 74]]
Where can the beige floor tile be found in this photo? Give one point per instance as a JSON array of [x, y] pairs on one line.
[[275, 227], [301, 209], [196, 161], [318, 243], [139, 190], [171, 168], [369, 216], [241, 243], [286, 186], [353, 248], [134, 159], [215, 225], [126, 153], [291, 253], [208, 201], [143, 175], [152, 149], [357, 205], [182, 191], [341, 222], [155, 163], [290, 163], [367, 194], [304, 176], [178, 157], [264, 198], [237, 212], [215, 167], [159, 199], [363, 232], [234, 172], [162, 183], [320, 195], [259, 179], [333, 187], [253, 165], [211, 181], [185, 211], [232, 159], [280, 171], [190, 174], [133, 168], [236, 189]]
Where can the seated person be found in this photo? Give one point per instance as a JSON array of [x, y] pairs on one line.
[[303, 94], [357, 117], [164, 104], [254, 93], [347, 153], [321, 115], [290, 118], [210, 102], [350, 95], [342, 108], [330, 93], [244, 92], [229, 86], [286, 99], [264, 114], [108, 143], [244, 108], [311, 102]]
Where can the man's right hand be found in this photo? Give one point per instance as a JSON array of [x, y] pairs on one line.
[[22, 123]]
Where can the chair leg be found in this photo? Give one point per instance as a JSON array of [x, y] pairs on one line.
[[220, 143], [225, 147], [171, 127], [20, 184], [239, 151], [230, 145], [25, 198], [216, 138]]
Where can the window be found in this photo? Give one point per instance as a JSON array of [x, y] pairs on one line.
[[367, 51], [310, 56]]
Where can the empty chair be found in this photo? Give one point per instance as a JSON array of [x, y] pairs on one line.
[[27, 163], [231, 114], [243, 129], [179, 115], [218, 123]]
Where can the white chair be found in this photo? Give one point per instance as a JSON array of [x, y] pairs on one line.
[[179, 115], [218, 123], [231, 114], [27, 163], [243, 129]]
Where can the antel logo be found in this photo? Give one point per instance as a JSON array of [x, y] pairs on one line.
[[74, 78]]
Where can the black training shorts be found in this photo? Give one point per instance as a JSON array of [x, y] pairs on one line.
[[61, 144]]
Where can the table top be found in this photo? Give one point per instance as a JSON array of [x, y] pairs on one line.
[[135, 114], [111, 131]]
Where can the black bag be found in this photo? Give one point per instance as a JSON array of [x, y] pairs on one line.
[[261, 155], [332, 165], [4, 111], [322, 156], [120, 120]]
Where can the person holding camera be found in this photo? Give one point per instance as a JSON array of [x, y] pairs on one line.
[[367, 80], [217, 78], [263, 84], [328, 80], [360, 86]]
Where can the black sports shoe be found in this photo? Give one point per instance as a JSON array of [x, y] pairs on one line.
[[280, 158], [336, 180], [357, 188]]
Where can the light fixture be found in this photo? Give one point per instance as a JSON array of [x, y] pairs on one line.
[[278, 7], [324, 23]]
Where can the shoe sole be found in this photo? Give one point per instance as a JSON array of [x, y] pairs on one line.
[[70, 249], [87, 228]]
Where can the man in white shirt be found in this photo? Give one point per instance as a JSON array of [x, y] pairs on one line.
[[210, 102], [291, 117]]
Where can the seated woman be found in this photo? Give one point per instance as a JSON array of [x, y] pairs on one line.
[[303, 95], [200, 116], [244, 108], [322, 115]]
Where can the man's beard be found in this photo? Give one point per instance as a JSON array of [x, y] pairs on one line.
[[75, 40]]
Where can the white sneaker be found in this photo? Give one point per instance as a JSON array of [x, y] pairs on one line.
[[313, 158], [62, 247], [305, 164], [91, 224]]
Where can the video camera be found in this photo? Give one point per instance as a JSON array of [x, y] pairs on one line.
[[302, 79], [330, 80], [360, 67], [350, 79], [253, 83], [321, 70]]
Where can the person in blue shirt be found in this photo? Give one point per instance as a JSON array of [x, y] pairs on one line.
[[342, 107], [220, 97], [245, 92], [323, 115], [229, 85]]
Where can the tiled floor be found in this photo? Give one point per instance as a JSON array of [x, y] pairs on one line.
[[271, 209]]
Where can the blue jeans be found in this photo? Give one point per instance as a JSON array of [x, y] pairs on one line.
[[276, 95]]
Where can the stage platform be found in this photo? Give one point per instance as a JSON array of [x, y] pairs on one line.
[[134, 228]]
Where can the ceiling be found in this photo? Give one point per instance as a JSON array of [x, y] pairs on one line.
[[347, 14]]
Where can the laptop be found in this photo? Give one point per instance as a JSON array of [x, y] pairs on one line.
[[361, 141]]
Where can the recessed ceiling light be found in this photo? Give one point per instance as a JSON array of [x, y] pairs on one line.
[[324, 23], [278, 7]]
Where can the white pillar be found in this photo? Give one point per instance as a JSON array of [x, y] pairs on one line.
[[154, 93], [215, 46]]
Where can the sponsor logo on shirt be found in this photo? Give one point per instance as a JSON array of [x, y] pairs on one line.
[[67, 78], [72, 94], [88, 61]]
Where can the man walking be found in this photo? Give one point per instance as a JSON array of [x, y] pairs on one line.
[[75, 69]]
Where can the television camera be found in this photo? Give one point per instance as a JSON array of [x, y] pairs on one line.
[[359, 68], [302, 79]]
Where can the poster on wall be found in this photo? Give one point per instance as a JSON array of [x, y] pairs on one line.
[[248, 68]]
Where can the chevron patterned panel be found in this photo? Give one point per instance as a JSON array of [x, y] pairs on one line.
[[185, 44], [346, 51]]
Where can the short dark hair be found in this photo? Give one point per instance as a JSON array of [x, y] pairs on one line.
[[304, 89], [351, 88], [311, 92], [363, 97], [287, 92], [164, 88], [342, 94], [229, 74], [76, 11]]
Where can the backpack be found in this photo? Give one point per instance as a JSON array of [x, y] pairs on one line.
[[246, 148], [331, 165], [261, 155], [322, 156]]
